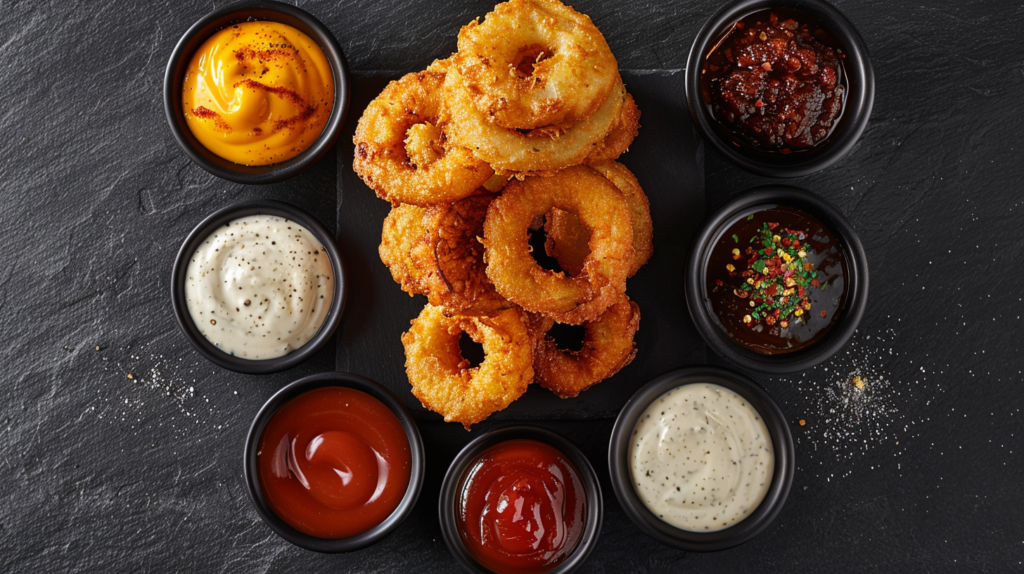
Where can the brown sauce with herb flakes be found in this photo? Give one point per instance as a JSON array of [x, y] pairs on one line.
[[776, 82], [776, 280]]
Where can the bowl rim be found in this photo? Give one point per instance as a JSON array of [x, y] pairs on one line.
[[857, 280], [857, 107], [199, 33], [299, 387], [212, 222], [469, 453], [763, 515]]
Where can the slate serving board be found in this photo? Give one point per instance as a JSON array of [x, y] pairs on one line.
[[665, 157]]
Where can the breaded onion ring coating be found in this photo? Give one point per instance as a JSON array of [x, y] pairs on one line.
[[402, 151], [535, 63], [568, 240], [437, 252], [442, 379], [624, 131], [541, 149], [607, 347], [516, 275]]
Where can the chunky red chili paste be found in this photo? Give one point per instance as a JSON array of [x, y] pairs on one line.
[[775, 81]]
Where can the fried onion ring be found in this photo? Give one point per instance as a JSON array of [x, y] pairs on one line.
[[442, 379], [607, 347], [624, 131], [436, 252], [535, 63], [402, 151], [568, 240], [517, 276], [541, 149]]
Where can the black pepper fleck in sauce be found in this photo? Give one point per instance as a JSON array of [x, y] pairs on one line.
[[776, 81], [727, 274]]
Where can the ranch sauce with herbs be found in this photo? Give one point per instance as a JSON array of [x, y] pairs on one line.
[[701, 457], [259, 287]]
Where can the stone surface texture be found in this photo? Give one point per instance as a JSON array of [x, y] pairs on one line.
[[122, 447]]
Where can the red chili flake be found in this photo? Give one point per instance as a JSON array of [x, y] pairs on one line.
[[758, 103], [823, 313], [786, 241], [768, 250], [796, 243], [815, 282], [719, 282], [786, 150], [800, 291], [766, 67], [773, 226]]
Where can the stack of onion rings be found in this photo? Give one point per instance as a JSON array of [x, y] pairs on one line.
[[531, 99]]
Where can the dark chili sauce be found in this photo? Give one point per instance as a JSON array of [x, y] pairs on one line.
[[776, 81], [766, 296]]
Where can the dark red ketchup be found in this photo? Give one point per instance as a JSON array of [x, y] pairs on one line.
[[775, 81], [334, 462], [521, 507]]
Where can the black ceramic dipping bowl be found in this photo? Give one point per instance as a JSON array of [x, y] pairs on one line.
[[622, 483], [371, 536], [856, 109], [856, 278], [265, 10], [452, 485], [211, 224]]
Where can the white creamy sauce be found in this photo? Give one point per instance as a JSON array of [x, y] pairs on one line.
[[701, 457], [259, 287]]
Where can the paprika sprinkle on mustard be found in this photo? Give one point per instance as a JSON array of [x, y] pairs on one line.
[[258, 93]]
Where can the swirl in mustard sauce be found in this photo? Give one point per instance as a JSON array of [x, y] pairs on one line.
[[258, 93]]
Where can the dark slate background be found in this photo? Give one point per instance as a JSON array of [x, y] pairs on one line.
[[99, 472]]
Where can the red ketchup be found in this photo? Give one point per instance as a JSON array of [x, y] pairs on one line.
[[334, 462], [521, 507]]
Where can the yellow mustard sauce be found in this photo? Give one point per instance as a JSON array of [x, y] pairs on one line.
[[258, 93]]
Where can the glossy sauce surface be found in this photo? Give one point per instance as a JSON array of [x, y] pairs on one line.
[[258, 93], [334, 462], [259, 287], [775, 81], [522, 507], [734, 261], [701, 457]]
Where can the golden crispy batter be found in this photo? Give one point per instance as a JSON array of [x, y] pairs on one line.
[[402, 151], [437, 252], [568, 240], [535, 63], [624, 131], [541, 149], [607, 348], [517, 276], [442, 379]]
